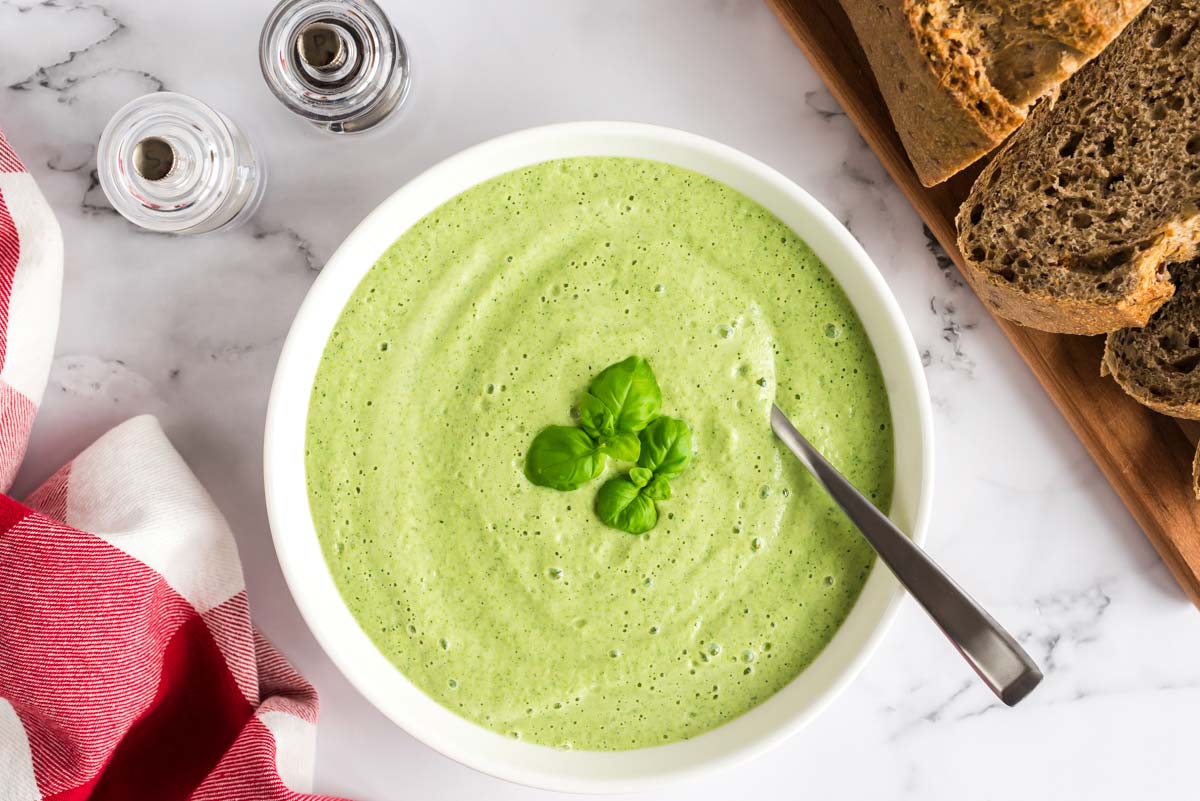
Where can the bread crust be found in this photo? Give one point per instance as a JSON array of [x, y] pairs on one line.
[[1196, 473]]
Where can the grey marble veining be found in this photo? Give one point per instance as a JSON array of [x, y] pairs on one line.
[[190, 328]]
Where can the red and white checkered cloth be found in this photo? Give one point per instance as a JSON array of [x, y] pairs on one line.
[[129, 668]]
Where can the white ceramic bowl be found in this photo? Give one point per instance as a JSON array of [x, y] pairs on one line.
[[382, 683]]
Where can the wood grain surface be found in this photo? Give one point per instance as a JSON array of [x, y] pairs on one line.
[[1146, 457]]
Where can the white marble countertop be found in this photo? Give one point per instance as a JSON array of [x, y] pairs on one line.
[[190, 328]]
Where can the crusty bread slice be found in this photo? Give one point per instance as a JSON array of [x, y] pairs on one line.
[[1159, 364], [1072, 224], [960, 75]]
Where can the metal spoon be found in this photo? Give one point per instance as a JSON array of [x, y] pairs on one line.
[[990, 650]]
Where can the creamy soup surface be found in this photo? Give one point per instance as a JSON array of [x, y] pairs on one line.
[[512, 604]]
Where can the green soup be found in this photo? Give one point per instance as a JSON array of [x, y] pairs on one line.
[[512, 604]]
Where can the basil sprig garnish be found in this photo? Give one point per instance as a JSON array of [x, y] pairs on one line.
[[627, 502], [618, 404], [618, 418]]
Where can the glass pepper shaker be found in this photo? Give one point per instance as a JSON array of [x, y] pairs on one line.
[[170, 163], [337, 63]]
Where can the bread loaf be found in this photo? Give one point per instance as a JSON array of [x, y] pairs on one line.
[[1071, 227], [960, 75]]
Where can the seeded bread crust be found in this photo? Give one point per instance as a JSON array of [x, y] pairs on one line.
[[1071, 226], [1196, 473], [959, 76], [1159, 364]]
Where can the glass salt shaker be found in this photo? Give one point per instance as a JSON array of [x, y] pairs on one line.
[[172, 164], [337, 63]]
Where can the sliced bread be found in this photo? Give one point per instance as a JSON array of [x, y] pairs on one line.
[[1072, 224], [960, 75], [1159, 364]]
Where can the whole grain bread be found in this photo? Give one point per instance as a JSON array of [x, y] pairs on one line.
[[960, 75], [1071, 227], [1159, 364]]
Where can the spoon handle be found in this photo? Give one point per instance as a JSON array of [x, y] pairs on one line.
[[990, 650]]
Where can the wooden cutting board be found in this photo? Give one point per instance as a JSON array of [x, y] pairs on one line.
[[1147, 457]]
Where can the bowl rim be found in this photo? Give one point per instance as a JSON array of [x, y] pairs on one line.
[[311, 584]]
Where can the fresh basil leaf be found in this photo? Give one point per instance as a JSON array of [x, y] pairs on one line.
[[657, 489], [622, 447], [629, 392], [640, 476], [596, 418], [666, 447], [563, 458], [621, 505]]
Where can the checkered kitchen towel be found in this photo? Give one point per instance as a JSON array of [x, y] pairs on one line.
[[128, 665]]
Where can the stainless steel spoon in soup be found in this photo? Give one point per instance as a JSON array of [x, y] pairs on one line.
[[991, 651]]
